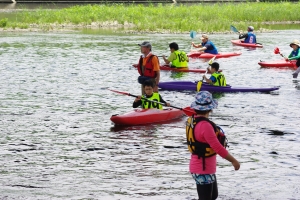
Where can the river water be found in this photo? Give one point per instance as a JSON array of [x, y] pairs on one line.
[[57, 140]]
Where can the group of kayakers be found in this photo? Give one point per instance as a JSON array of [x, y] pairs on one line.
[[206, 142]]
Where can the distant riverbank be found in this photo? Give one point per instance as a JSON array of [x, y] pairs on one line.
[[149, 18]]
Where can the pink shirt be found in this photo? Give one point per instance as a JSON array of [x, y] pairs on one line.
[[204, 132]]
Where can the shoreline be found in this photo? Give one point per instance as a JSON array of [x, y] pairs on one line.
[[129, 28]]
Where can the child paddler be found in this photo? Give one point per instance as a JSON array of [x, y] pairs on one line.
[[177, 58], [149, 94], [216, 78]]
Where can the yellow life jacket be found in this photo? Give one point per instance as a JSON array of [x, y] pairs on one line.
[[221, 81], [147, 104], [181, 59], [202, 149]]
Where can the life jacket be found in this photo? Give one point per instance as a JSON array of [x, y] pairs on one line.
[[295, 53], [146, 70], [201, 149], [147, 104], [181, 59], [212, 48], [221, 81], [251, 38]]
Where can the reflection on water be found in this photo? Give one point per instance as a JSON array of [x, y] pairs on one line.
[[57, 141]]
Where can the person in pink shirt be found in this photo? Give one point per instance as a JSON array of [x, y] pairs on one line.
[[203, 169]]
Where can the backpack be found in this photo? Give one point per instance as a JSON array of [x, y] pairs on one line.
[[202, 149]]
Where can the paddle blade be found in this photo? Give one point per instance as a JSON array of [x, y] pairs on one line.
[[193, 34], [125, 93], [189, 111], [276, 50], [211, 60], [233, 29], [199, 85]]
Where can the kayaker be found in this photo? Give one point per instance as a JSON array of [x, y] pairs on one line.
[[149, 94], [206, 46], [203, 171], [250, 37], [295, 55], [216, 78], [148, 66], [177, 58]]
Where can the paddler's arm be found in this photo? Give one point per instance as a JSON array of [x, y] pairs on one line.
[[163, 101], [210, 80], [196, 46], [291, 57], [170, 58], [137, 102], [166, 60], [241, 36]]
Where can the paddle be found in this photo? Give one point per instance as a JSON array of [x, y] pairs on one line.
[[199, 84], [186, 110], [193, 35], [233, 29], [277, 51]]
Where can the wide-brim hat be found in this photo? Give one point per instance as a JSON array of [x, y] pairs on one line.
[[295, 42], [204, 101]]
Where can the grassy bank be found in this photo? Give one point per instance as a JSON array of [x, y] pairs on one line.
[[175, 18]]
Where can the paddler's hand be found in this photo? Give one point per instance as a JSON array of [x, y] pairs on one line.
[[204, 77], [168, 104], [138, 99], [286, 59]]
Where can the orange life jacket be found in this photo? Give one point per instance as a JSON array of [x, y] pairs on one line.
[[148, 68]]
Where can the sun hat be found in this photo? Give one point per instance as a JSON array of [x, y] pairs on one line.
[[146, 44], [204, 36], [204, 101], [295, 42]]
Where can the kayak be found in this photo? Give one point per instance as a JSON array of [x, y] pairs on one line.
[[209, 55], [192, 85], [241, 43], [185, 69], [146, 116], [279, 64]]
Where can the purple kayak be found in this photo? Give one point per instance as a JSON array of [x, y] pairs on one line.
[[192, 85]]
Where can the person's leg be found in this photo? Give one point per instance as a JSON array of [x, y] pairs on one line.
[[205, 192], [215, 192]]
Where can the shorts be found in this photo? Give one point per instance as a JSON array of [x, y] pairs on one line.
[[142, 79], [204, 179]]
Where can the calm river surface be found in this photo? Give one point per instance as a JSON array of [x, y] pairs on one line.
[[57, 140]]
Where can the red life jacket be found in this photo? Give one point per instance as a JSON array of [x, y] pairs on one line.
[[148, 68]]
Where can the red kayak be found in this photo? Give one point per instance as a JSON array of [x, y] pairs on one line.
[[241, 43], [279, 64], [146, 116], [209, 55], [185, 69]]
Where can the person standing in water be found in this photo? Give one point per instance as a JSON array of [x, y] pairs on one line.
[[203, 164]]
